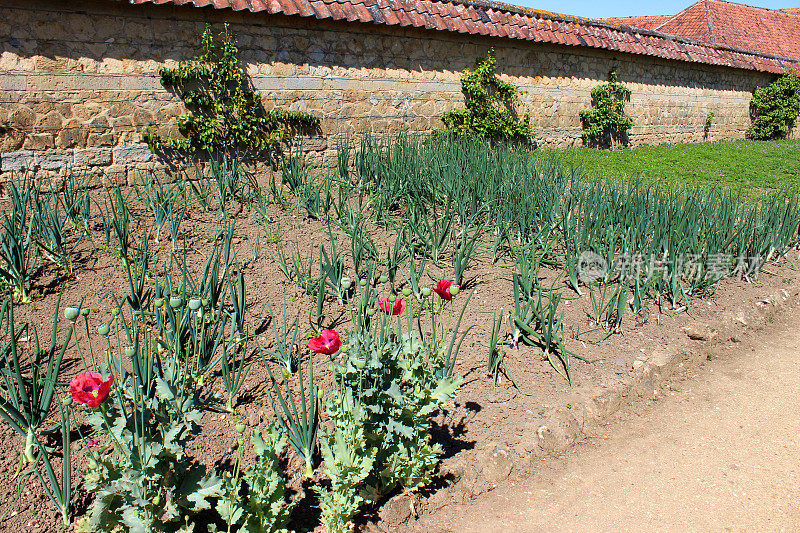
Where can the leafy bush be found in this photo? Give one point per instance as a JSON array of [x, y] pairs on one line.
[[264, 508], [774, 108], [225, 113], [147, 482], [490, 102], [607, 124], [390, 385]]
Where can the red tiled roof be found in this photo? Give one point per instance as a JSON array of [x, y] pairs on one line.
[[768, 31], [649, 22], [503, 20]]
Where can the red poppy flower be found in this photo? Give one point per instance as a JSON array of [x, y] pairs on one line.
[[395, 308], [89, 388], [443, 289], [326, 342]]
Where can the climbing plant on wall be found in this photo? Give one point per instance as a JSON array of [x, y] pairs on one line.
[[606, 125], [490, 106], [225, 114], [774, 108]]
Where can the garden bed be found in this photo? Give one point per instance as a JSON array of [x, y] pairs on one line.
[[494, 426]]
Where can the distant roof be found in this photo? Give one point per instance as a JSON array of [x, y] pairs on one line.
[[496, 19], [768, 31], [650, 22]]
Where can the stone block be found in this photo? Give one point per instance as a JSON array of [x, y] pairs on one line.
[[100, 139], [114, 175], [39, 141], [11, 139], [17, 160], [314, 143], [13, 82], [73, 134], [22, 117], [53, 160], [91, 157], [132, 153]]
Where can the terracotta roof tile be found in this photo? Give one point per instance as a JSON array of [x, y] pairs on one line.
[[363, 13], [739, 36], [350, 12], [389, 16], [483, 29], [287, 7], [320, 9], [304, 8], [720, 23], [335, 10]]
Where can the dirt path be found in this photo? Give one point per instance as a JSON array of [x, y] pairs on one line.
[[720, 451]]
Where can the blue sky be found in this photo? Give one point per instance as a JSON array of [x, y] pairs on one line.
[[622, 8]]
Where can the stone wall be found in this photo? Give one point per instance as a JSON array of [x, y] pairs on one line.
[[79, 80]]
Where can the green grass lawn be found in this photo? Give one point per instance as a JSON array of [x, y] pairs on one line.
[[750, 166]]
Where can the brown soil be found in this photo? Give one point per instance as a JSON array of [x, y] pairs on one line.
[[714, 451], [499, 423]]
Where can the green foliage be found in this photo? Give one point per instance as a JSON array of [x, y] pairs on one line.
[[533, 199], [707, 125], [747, 166], [348, 462], [225, 113], [490, 102], [264, 509], [390, 385], [146, 481], [607, 124], [774, 108]]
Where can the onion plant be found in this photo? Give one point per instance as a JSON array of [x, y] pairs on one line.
[[298, 416], [164, 201], [18, 256], [287, 336], [50, 228], [294, 171], [58, 490], [28, 387], [76, 200], [119, 216], [234, 372]]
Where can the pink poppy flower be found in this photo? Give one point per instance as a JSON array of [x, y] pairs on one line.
[[443, 289], [326, 342], [89, 388], [395, 308]]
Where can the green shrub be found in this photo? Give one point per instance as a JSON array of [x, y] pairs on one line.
[[225, 113], [490, 102], [774, 108], [607, 124]]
